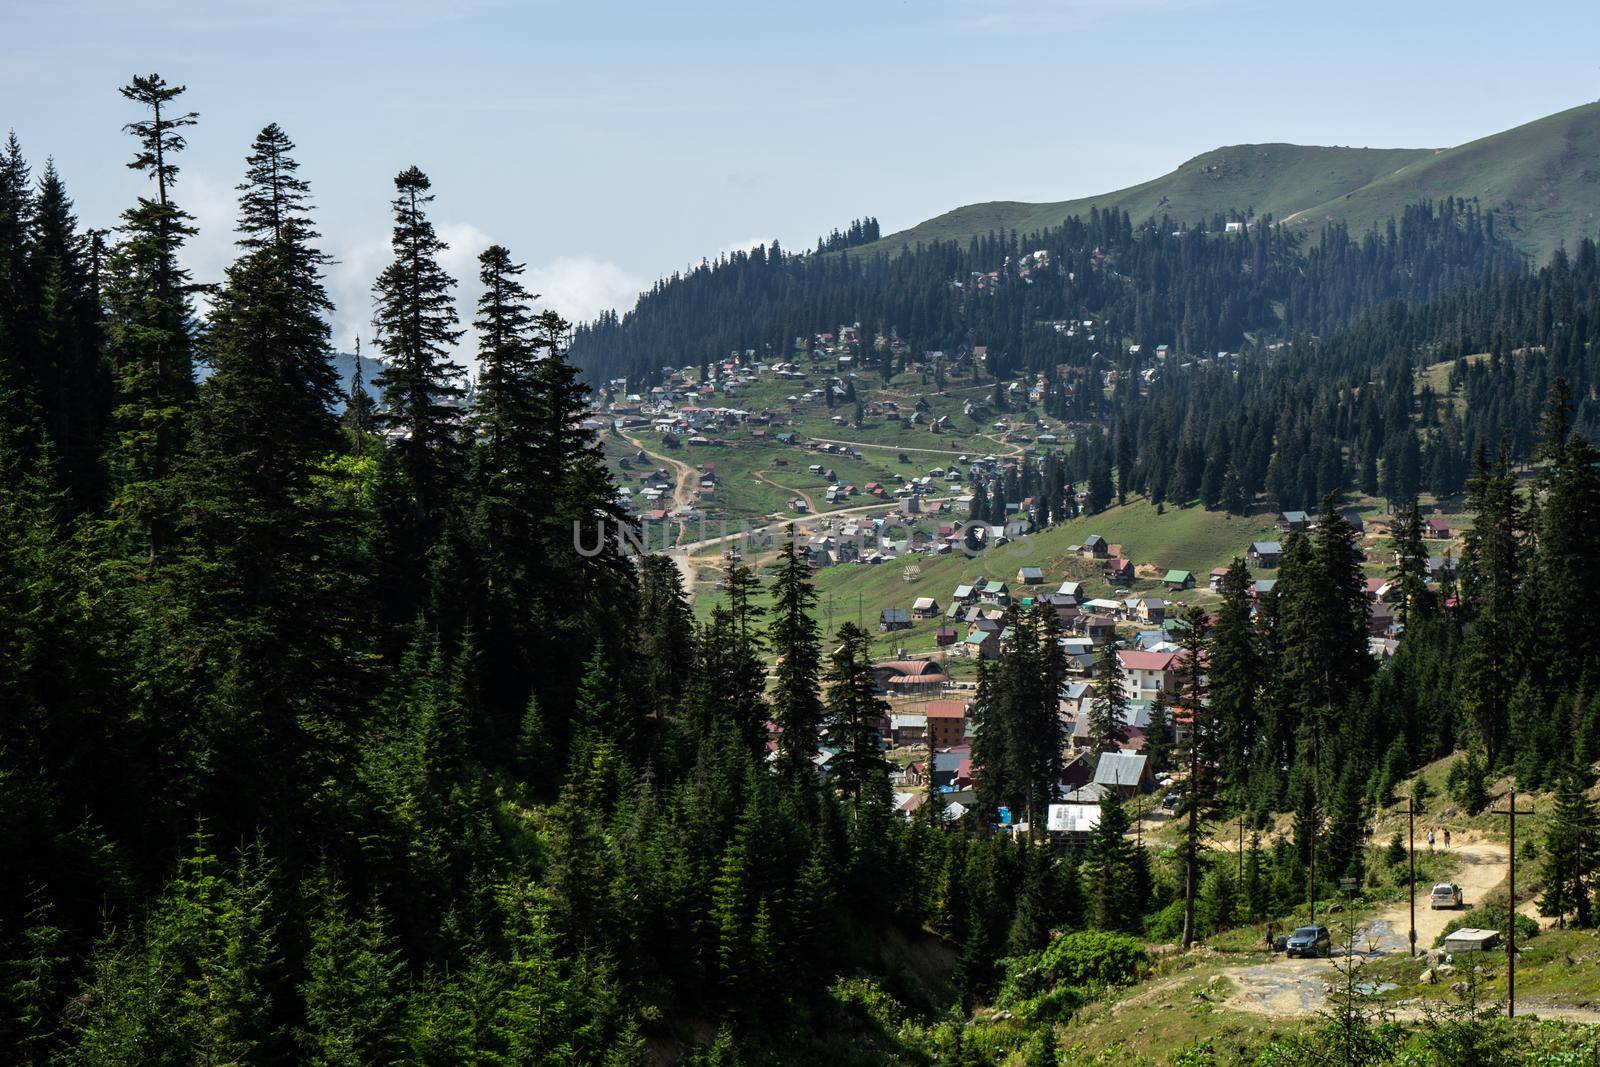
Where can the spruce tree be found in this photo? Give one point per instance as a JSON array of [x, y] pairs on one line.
[[796, 707], [1571, 850], [416, 324], [151, 327], [855, 714], [261, 570], [1108, 710]]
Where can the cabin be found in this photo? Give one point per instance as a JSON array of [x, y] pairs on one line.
[[924, 607], [1099, 629], [964, 594], [1030, 576], [1126, 772], [1214, 581], [995, 593], [1176, 580], [1266, 553], [1118, 569], [1152, 610], [908, 729], [983, 644], [890, 619], [1437, 530], [1293, 522], [945, 635], [1094, 547]]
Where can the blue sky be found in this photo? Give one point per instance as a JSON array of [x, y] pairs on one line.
[[608, 143]]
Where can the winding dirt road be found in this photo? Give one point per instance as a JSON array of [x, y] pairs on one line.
[[1298, 987]]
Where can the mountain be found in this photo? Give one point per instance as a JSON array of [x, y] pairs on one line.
[[1542, 177]]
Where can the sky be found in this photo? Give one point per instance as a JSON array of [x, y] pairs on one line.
[[607, 144]]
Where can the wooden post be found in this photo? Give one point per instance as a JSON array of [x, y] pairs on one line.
[[1511, 814]]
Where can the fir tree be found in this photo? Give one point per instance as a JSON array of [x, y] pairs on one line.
[[855, 713], [416, 324], [151, 326], [796, 708]]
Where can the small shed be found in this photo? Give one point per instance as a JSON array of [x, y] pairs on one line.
[[1471, 939]]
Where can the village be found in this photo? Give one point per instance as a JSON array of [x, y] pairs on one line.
[[1137, 633]]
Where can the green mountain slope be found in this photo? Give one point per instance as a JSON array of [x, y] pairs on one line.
[[1544, 176]]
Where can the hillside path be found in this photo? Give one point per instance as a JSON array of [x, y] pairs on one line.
[[1284, 987]]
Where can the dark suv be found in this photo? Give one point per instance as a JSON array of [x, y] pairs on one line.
[[1308, 941]]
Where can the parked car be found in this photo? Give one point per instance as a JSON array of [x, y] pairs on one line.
[[1308, 941], [1446, 895]]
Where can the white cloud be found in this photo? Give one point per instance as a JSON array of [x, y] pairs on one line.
[[580, 287]]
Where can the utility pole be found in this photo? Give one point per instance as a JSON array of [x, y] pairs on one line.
[[1240, 879], [1511, 814], [1411, 854]]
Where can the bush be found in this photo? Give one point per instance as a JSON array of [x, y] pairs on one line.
[[1489, 917], [1085, 958]]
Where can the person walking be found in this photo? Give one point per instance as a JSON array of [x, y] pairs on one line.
[[1430, 842], [1447, 837]]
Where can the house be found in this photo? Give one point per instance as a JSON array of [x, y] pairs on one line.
[[947, 722], [1178, 580], [1030, 575], [1261, 587], [1071, 589], [1077, 772], [1353, 517], [1101, 606], [985, 644], [908, 729], [1099, 629], [893, 619], [964, 594], [1152, 610], [1075, 699], [1126, 772], [1266, 553], [1145, 675], [1294, 522], [995, 593], [1135, 724], [1119, 569], [945, 635], [1072, 821], [907, 676], [924, 607], [1436, 529], [1214, 583], [1094, 547]]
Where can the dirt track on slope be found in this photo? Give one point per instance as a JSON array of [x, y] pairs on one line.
[[1285, 987]]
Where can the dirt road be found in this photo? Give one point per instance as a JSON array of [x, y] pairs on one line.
[[1299, 987]]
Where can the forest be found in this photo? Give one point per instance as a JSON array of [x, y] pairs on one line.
[[323, 743]]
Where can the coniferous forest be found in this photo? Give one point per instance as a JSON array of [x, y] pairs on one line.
[[323, 742]]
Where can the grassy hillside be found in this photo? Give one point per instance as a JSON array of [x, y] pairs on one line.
[[1276, 178], [1545, 176]]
